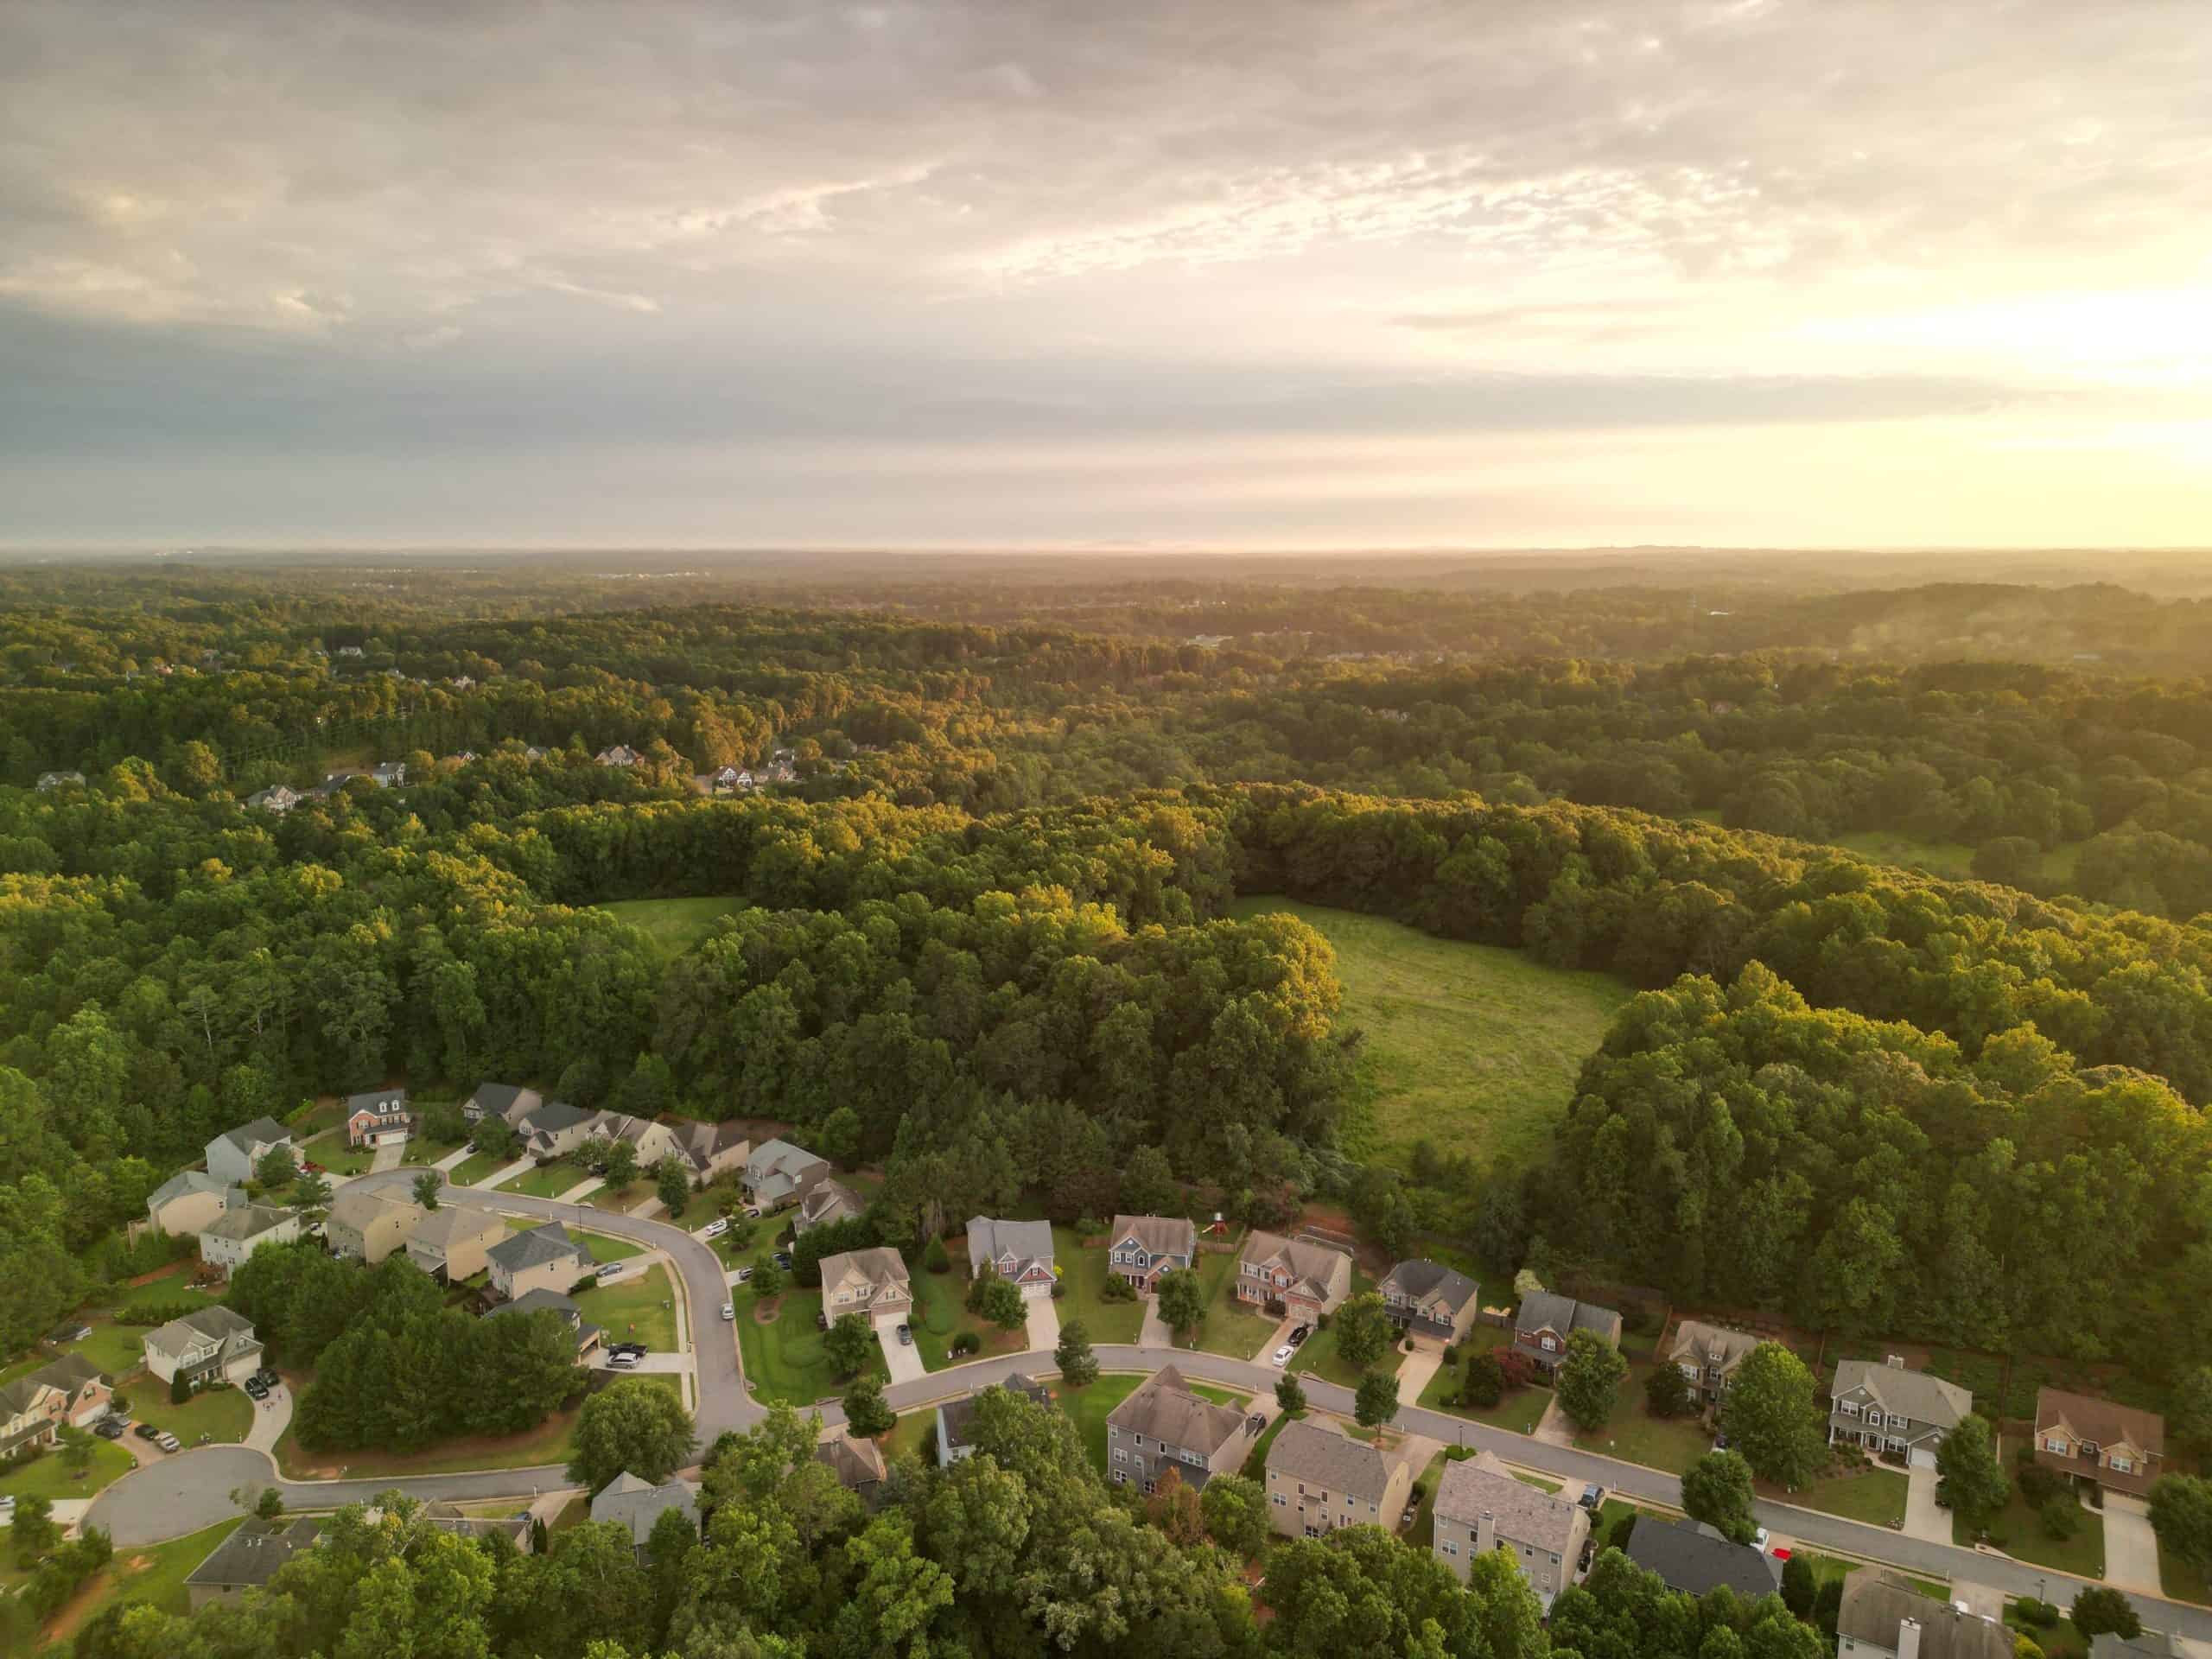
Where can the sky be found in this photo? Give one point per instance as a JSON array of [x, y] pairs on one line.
[[1053, 273]]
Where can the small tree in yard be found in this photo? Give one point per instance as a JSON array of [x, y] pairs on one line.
[[1078, 1365], [848, 1345], [1289, 1395], [998, 1302], [497, 1137], [1970, 1478], [427, 1186], [2100, 1610], [767, 1280], [1589, 1379], [180, 1390], [276, 1168], [1799, 1587], [1717, 1490], [1363, 1329], [34, 1531], [2061, 1517], [1769, 1414], [1375, 1402], [867, 1413], [76, 1449], [936, 1258], [1235, 1510], [1667, 1392], [1174, 1508], [1485, 1385], [2181, 1514], [1181, 1298], [621, 1164], [310, 1190], [633, 1425], [672, 1185]]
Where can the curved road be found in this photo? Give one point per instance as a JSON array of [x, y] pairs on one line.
[[183, 1493]]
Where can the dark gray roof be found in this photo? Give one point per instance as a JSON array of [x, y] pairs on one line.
[[497, 1097], [1158, 1235], [2151, 1644], [1026, 1241], [540, 1300], [1692, 1557], [551, 1242], [377, 1100], [1166, 1408], [636, 1504], [1421, 1279], [555, 1116], [1877, 1602], [266, 1130], [1307, 1452], [1541, 1309], [251, 1556]]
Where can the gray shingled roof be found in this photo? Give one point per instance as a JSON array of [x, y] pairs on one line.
[[186, 1180], [1915, 1393], [1028, 1241], [1321, 1456], [551, 1242], [1877, 1601], [1159, 1235], [1542, 1310], [554, 1115], [1693, 1557], [266, 1130], [247, 1221], [635, 1503], [1419, 1280], [1471, 1488], [1166, 1408]]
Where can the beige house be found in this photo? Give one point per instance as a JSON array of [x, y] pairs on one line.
[[1318, 1480], [652, 1141], [34, 1409], [1308, 1279], [1165, 1426], [712, 1149], [187, 1203], [1425, 1298], [369, 1226], [1480, 1507], [238, 1233], [1883, 1616], [451, 1243], [828, 1202], [872, 1281], [2122, 1449], [1707, 1355], [204, 1344], [542, 1258]]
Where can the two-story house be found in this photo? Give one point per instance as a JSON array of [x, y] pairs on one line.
[[1426, 1298], [1707, 1355], [1141, 1248], [621, 754], [185, 1203], [826, 1202], [1545, 1321], [1165, 1426], [369, 1226], [378, 1118], [233, 1155], [34, 1409], [504, 1100], [238, 1233], [1308, 1279], [204, 1344], [453, 1244], [778, 1174], [634, 1503], [543, 1258], [858, 1465], [874, 1282], [554, 1130], [712, 1149], [2122, 1449], [248, 1560], [650, 1141], [277, 798], [954, 1417], [1883, 1616], [1318, 1481], [1018, 1251], [1894, 1412], [1480, 1507], [588, 1336]]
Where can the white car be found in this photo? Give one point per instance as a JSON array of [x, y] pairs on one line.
[[716, 1228], [1282, 1356], [729, 1309], [1758, 1540]]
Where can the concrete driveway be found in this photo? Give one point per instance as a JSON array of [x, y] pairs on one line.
[[1044, 1324], [1413, 1376], [1280, 1335], [903, 1358], [388, 1156], [1922, 1518], [2131, 1547], [1152, 1332]]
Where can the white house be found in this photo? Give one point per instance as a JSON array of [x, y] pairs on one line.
[[232, 1154], [236, 1234]]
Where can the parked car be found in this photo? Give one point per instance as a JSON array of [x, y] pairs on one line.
[[1282, 1354], [122, 1417], [1758, 1540], [782, 1259], [167, 1442], [716, 1228], [267, 1378], [6, 1508], [618, 1362], [1297, 1337], [1593, 1497], [743, 1273], [72, 1332], [905, 1336], [1721, 1442], [257, 1388], [108, 1429], [729, 1309], [317, 1169], [752, 1211], [146, 1432]]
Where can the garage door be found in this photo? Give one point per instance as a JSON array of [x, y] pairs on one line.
[[1036, 1290], [1922, 1458]]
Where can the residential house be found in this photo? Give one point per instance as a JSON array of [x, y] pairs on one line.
[[1165, 1426], [777, 1173], [369, 1226], [248, 1559], [85, 1386], [1883, 1616], [378, 1118], [451, 1517], [277, 799], [504, 1100], [1426, 1298], [52, 780], [1545, 1321], [652, 1141], [1481, 1507], [1018, 1251], [828, 1202], [453, 1244], [1889, 1409], [233, 1154], [1308, 1279], [1692, 1557], [635, 1504], [33, 1409], [188, 1201], [1141, 1248], [588, 1336], [858, 1463], [712, 1149], [2122, 1449], [541, 1258], [872, 1281], [238, 1233], [388, 774], [1707, 1355], [955, 1417], [620, 755], [206, 1345], [556, 1129], [1318, 1480]]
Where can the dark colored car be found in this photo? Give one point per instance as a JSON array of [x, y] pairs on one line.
[[256, 1388], [146, 1432], [108, 1431], [1299, 1334], [635, 1350], [1593, 1496], [267, 1378], [782, 1259]]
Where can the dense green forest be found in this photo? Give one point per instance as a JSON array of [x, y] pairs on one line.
[[980, 937]]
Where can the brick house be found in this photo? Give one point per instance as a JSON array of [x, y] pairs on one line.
[[1308, 1279]]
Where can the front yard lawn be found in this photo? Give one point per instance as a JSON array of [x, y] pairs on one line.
[[1669, 1443], [605, 1247], [636, 1308], [620, 1200], [1874, 1496], [474, 1167], [424, 1152], [1089, 1408], [783, 1359], [49, 1477], [2063, 1640], [1520, 1411], [941, 1314], [1317, 1355], [118, 1350], [1084, 1272], [170, 1288], [154, 1574], [339, 1159], [2181, 1581], [2019, 1531], [906, 1441], [1230, 1327], [222, 1415], [547, 1181]]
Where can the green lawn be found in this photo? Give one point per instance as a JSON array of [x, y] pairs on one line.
[[1255, 1461], [1084, 1275], [1874, 1496], [1422, 1535], [2019, 1531], [605, 1247], [1228, 1328], [906, 1441], [1473, 1047], [170, 1289], [49, 1477], [1089, 1408], [1520, 1411], [547, 1181], [474, 1167], [154, 1574], [1317, 1356], [423, 1152], [339, 1159], [620, 1200], [783, 1360], [636, 1308], [941, 1314], [673, 925], [1953, 859], [2181, 1581], [118, 1350], [551, 1441], [1668, 1443], [222, 1415]]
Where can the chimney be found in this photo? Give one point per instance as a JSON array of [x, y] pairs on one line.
[[1909, 1638], [1895, 1362]]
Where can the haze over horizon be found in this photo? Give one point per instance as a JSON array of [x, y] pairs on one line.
[[965, 275]]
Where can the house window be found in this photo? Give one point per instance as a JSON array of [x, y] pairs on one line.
[[2123, 1464], [2055, 1443], [1848, 1408], [1120, 1480], [1549, 1344], [1278, 1500]]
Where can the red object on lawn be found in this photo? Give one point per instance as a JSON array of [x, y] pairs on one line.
[[1780, 1554]]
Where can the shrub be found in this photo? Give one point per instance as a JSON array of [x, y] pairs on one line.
[[180, 1390], [1450, 1353], [1274, 1310], [152, 1313], [1485, 1385], [2038, 1485], [2061, 1517], [1518, 1369], [966, 1341], [2041, 1614], [1420, 1491], [1117, 1289], [1060, 1288]]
